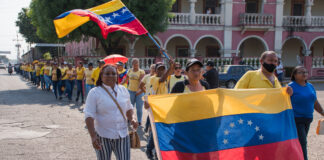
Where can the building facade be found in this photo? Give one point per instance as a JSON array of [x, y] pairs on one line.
[[229, 31]]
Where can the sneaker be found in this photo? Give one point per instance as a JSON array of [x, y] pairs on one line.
[[149, 154]]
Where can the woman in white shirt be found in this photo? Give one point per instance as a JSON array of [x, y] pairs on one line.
[[107, 125]]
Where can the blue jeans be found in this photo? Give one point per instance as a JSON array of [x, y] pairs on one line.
[[42, 81], [302, 125], [88, 87], [48, 81], [139, 104], [79, 89], [69, 85], [55, 85]]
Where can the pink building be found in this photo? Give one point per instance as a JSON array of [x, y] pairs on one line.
[[227, 30]]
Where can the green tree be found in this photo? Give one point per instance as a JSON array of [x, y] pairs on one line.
[[26, 28], [153, 14]]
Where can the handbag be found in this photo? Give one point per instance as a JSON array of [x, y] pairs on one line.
[[320, 127], [134, 138]]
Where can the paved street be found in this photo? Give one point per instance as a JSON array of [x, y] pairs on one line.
[[33, 125]]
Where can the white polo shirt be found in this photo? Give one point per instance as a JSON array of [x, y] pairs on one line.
[[108, 121]]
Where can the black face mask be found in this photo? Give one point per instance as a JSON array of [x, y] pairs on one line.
[[269, 67]]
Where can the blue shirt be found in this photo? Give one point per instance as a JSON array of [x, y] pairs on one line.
[[303, 99]]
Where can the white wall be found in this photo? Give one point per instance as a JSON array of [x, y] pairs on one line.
[[318, 47], [318, 8], [201, 46], [177, 41], [252, 47], [290, 50]]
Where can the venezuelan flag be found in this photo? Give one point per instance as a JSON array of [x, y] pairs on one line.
[[111, 16], [225, 124]]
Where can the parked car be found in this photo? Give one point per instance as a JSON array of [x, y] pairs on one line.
[[2, 66], [230, 74]]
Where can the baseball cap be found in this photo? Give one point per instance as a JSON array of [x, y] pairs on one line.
[[210, 63], [158, 65], [192, 62], [119, 63]]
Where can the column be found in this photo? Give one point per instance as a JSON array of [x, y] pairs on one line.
[[309, 4], [262, 6], [192, 11], [308, 61], [278, 27], [193, 53], [228, 11], [132, 52], [222, 11]]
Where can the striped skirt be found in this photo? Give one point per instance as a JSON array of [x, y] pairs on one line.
[[120, 147]]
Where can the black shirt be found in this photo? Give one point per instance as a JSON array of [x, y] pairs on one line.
[[180, 86], [211, 77]]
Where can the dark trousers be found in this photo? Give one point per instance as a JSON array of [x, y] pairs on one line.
[[302, 125], [69, 84], [79, 89], [55, 86]]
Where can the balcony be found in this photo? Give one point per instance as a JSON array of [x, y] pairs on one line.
[[199, 19], [256, 22], [303, 21]]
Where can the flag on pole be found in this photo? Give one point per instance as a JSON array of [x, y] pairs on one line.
[[225, 124], [111, 16]]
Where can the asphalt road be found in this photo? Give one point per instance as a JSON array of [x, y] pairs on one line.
[[34, 125]]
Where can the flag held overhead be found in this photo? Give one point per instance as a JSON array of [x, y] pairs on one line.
[[110, 17]]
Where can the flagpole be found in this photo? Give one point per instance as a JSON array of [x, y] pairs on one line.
[[166, 55]]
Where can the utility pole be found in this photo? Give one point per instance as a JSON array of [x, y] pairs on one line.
[[18, 47]]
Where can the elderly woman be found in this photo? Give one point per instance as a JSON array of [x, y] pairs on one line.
[[134, 77], [194, 83], [304, 101], [108, 108]]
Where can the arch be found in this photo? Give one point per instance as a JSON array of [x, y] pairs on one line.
[[178, 35], [314, 40], [252, 36], [208, 36], [296, 37]]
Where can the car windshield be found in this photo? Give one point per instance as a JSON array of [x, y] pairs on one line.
[[224, 69]]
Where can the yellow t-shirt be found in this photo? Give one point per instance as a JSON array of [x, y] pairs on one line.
[[134, 79], [62, 72], [95, 75], [47, 70], [80, 73], [88, 74], [158, 88], [173, 80], [70, 74], [37, 69], [42, 71], [256, 79], [54, 75]]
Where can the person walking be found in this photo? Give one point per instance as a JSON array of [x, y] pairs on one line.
[[56, 76], [107, 110], [211, 76], [47, 74], [134, 77], [95, 73], [279, 71], [69, 83], [62, 85], [89, 82], [122, 74], [42, 76], [37, 74], [80, 71], [304, 101], [176, 77]]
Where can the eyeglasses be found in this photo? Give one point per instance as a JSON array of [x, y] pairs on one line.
[[301, 72]]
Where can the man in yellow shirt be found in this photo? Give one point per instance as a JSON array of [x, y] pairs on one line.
[[95, 74], [47, 75], [89, 81], [37, 74], [80, 71], [42, 76], [265, 76]]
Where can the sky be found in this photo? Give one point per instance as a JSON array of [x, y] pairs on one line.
[[9, 10]]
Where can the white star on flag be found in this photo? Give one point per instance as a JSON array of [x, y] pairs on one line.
[[107, 19], [261, 137], [232, 125], [225, 141], [226, 132], [240, 121], [124, 10], [115, 15], [257, 128], [250, 123]]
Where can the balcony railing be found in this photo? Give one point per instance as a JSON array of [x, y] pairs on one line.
[[294, 21], [252, 61], [317, 21], [318, 62], [256, 19], [219, 61], [144, 62], [179, 18], [208, 19]]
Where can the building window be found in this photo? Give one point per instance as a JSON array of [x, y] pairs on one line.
[[176, 6], [212, 51], [152, 51], [297, 7], [117, 50], [252, 6], [211, 6], [182, 51]]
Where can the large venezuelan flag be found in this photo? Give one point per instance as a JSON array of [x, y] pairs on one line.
[[111, 16], [226, 124]]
